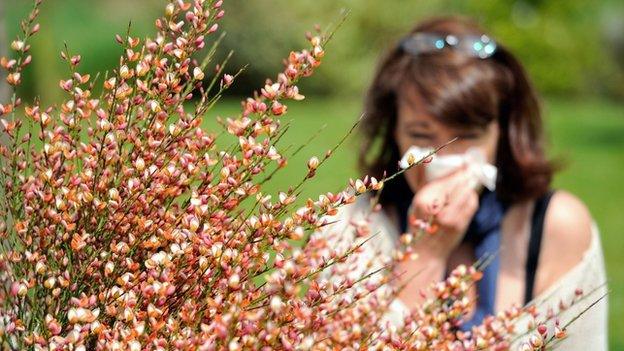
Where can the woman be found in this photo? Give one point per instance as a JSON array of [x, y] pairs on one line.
[[448, 79]]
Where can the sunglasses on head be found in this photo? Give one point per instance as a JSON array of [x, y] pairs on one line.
[[480, 46]]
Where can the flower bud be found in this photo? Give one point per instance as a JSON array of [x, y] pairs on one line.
[[234, 345], [17, 45], [536, 341], [278, 108], [198, 74], [40, 267], [125, 72], [169, 9], [154, 106], [19, 289], [139, 164], [49, 283], [360, 187], [110, 83], [45, 119], [315, 41], [234, 282], [297, 233], [14, 78], [276, 304], [174, 130], [411, 159], [75, 60], [193, 224], [376, 185], [113, 194], [213, 28], [134, 345], [109, 267], [313, 163], [227, 79], [142, 69]]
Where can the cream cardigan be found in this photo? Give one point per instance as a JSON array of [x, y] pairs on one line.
[[589, 332]]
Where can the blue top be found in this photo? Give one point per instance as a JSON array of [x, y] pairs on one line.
[[484, 233]]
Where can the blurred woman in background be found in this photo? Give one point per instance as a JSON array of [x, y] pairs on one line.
[[448, 79]]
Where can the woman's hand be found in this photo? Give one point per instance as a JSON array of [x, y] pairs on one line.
[[452, 202]]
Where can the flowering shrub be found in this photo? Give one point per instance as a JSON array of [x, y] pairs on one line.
[[124, 225]]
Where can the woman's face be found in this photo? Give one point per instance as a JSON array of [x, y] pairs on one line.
[[416, 127]]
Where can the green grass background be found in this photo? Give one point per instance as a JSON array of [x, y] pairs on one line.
[[587, 134]]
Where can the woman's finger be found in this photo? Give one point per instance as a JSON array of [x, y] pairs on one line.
[[460, 206], [440, 193], [455, 188]]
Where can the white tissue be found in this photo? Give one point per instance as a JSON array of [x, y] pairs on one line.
[[484, 173]]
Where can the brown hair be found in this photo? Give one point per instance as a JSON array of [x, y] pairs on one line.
[[459, 90]]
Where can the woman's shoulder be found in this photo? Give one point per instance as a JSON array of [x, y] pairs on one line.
[[571, 260], [567, 237], [568, 220]]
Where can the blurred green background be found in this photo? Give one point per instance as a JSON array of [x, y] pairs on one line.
[[573, 51]]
